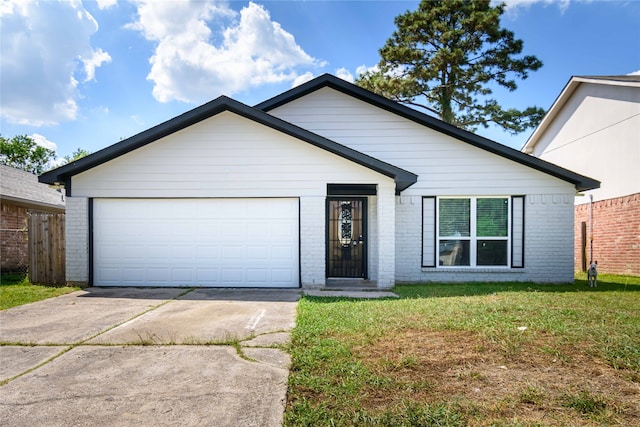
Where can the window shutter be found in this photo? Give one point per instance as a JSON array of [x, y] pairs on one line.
[[517, 231], [429, 231]]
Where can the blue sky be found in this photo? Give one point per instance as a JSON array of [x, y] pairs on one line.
[[86, 74]]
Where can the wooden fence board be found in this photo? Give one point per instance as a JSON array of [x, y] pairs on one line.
[[46, 248]]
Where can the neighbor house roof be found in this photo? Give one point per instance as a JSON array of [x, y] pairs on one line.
[[62, 174], [581, 182], [23, 188], [565, 95]]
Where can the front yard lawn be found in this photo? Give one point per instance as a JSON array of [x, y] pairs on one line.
[[15, 289], [503, 354]]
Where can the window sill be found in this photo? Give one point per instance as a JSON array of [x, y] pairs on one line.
[[442, 269]]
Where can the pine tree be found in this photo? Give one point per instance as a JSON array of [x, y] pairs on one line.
[[445, 57]]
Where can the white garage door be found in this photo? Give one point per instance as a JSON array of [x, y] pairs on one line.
[[196, 242]]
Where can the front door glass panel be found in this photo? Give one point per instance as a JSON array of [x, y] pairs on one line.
[[346, 238]]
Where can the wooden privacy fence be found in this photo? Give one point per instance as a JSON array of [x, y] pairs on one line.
[[46, 248]]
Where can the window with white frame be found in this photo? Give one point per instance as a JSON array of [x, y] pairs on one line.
[[473, 232]]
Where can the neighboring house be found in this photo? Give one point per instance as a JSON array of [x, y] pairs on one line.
[[325, 181], [593, 128], [21, 194]]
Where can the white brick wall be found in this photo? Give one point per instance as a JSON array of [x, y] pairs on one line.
[[548, 244], [77, 240], [312, 241], [386, 213], [548, 241], [408, 238]]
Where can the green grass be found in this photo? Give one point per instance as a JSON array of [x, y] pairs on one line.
[[15, 290], [459, 354]]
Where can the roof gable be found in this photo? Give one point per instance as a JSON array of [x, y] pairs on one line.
[[631, 81], [580, 182], [403, 178]]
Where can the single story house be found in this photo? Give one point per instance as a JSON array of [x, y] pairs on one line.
[[20, 195], [593, 128], [322, 183]]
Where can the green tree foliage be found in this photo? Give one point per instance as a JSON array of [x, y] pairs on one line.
[[76, 155], [22, 152], [445, 57]]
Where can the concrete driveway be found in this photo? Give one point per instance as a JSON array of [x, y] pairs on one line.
[[147, 357]]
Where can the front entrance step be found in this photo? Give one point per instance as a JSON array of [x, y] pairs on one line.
[[351, 284]]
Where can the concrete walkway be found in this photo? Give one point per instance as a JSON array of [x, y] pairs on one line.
[[355, 293], [147, 357]]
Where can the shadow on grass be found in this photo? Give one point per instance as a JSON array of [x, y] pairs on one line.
[[8, 279], [438, 290], [606, 283]]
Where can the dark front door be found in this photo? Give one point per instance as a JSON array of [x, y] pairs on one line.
[[346, 237]]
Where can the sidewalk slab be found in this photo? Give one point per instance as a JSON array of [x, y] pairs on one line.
[[148, 386], [77, 316], [16, 360]]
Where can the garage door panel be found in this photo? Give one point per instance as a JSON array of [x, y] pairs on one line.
[[281, 275], [196, 242]]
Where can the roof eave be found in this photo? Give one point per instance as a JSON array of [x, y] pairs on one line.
[[31, 204]]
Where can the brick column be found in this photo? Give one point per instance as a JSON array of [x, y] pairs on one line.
[[386, 218], [312, 241], [77, 240]]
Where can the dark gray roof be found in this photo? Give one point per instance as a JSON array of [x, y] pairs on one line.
[[23, 188], [581, 183], [62, 174]]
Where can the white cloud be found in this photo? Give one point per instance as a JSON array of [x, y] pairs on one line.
[[193, 64], [105, 4], [44, 142], [43, 47], [364, 69], [511, 6], [345, 74], [634, 73], [96, 60], [302, 78]]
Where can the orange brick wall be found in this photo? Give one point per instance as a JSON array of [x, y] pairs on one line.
[[616, 234], [14, 251]]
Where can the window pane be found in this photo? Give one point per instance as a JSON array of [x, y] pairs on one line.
[[491, 219], [454, 217], [454, 252], [492, 252]]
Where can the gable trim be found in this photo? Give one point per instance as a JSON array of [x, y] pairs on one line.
[[581, 183], [63, 174]]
